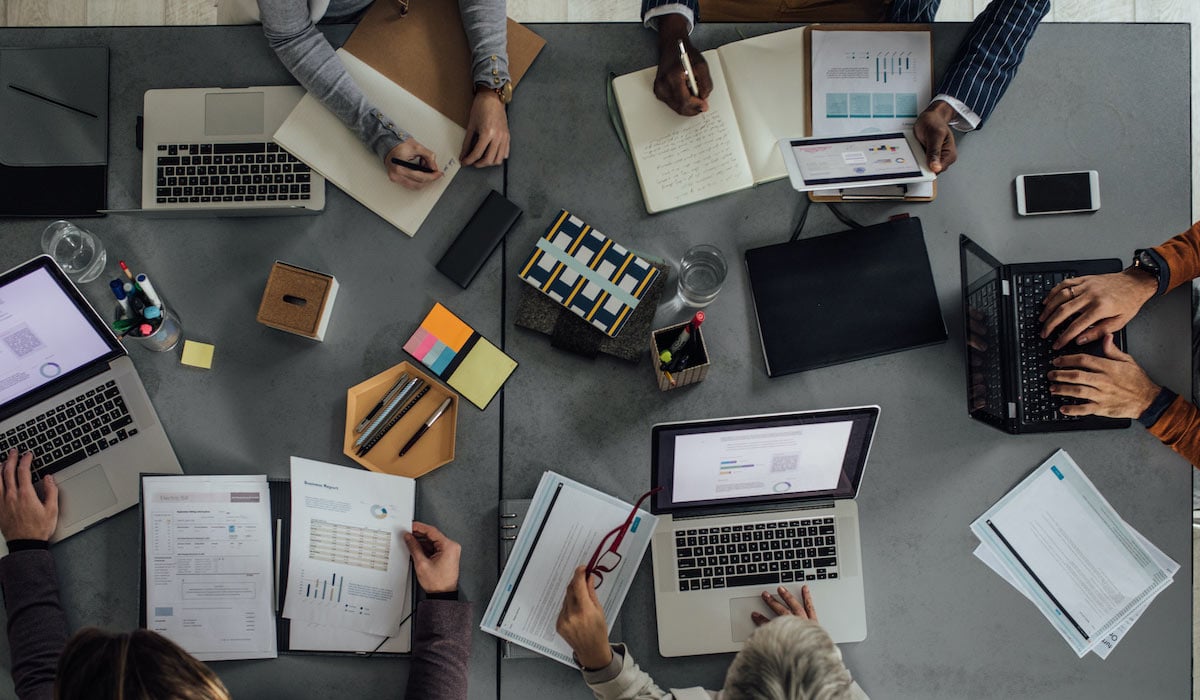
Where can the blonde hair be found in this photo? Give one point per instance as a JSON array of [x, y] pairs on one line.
[[789, 658], [138, 665]]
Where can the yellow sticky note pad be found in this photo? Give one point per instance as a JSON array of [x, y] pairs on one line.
[[197, 354], [482, 372]]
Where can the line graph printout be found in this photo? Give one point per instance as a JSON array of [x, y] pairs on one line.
[[869, 81], [348, 564]]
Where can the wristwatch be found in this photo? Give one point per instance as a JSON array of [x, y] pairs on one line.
[[504, 92], [1143, 260]]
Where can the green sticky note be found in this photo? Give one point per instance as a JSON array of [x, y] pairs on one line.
[[482, 372]]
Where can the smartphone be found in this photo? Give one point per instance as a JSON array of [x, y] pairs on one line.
[[1058, 193]]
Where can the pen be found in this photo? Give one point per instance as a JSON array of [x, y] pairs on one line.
[[421, 431], [391, 422], [419, 167], [687, 70], [125, 269], [387, 397], [387, 412]]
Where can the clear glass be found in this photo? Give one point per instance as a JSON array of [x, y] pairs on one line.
[[76, 250], [165, 337], [701, 273]]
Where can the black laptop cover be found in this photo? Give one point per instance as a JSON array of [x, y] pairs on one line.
[[845, 296]]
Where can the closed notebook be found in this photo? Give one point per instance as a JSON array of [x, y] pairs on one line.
[[588, 273], [845, 296], [460, 356]]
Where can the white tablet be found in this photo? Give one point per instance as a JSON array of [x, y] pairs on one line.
[[862, 160]]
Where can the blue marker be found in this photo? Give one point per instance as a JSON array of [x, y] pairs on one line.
[[118, 290]]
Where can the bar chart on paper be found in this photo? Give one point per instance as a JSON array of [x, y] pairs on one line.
[[328, 588], [353, 546], [868, 82]]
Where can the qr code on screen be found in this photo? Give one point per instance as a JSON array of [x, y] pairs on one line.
[[22, 341], [784, 463]]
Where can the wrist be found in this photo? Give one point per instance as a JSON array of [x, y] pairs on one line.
[[942, 110], [1145, 282], [671, 28], [595, 660]]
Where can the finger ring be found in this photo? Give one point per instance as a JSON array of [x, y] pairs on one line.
[[1072, 291]]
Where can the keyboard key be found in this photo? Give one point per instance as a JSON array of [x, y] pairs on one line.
[[755, 580]]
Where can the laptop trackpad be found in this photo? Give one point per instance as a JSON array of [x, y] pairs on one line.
[[740, 624], [84, 495]]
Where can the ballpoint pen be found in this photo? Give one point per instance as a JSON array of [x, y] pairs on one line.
[[387, 397], [687, 70], [391, 422], [424, 427], [387, 411], [419, 167]]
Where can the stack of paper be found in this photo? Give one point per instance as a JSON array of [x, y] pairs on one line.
[[1060, 543]]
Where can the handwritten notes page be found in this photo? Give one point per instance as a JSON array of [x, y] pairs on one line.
[[681, 160]]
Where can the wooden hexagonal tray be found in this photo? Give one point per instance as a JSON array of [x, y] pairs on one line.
[[436, 446]]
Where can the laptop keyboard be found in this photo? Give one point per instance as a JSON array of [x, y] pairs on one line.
[[988, 362], [73, 431], [1038, 405], [758, 554], [230, 172]]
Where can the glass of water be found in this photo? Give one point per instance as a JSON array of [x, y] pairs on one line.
[[76, 250], [701, 274]]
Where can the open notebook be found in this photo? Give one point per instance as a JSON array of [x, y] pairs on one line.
[[761, 94]]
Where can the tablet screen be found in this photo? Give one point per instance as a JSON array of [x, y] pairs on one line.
[[846, 159]]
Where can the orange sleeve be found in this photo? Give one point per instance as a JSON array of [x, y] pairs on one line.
[[1179, 429], [1182, 255]]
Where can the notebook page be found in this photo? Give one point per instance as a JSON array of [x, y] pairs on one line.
[[317, 137], [766, 86], [681, 160]]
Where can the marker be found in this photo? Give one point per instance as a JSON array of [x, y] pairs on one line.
[[419, 167], [151, 312], [145, 329], [125, 269], [687, 70], [421, 431], [118, 291], [686, 334], [144, 283]]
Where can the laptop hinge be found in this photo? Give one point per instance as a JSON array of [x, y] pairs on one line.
[[1012, 409], [755, 508], [1004, 287]]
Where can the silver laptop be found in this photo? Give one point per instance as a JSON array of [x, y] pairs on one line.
[[750, 504], [208, 152], [69, 392]]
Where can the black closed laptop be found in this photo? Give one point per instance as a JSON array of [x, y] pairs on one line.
[[844, 296], [1007, 359]]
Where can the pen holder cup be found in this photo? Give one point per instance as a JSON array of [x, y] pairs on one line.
[[698, 361], [164, 336]]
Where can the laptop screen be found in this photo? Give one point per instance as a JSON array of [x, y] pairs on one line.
[[47, 330], [816, 455], [981, 318]]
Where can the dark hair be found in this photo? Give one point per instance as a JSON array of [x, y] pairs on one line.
[[137, 665]]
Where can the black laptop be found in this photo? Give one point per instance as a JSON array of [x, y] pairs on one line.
[[1007, 359]]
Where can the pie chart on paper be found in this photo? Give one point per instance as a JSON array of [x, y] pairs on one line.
[[379, 512]]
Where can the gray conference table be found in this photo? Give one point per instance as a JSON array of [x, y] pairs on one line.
[[940, 624]]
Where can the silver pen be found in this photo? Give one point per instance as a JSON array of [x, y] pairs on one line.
[[391, 394], [687, 70]]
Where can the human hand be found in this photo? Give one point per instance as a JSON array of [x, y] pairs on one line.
[[671, 83], [789, 605], [933, 131], [23, 514], [411, 151], [1113, 385], [1105, 303], [581, 623], [487, 139], [435, 558]]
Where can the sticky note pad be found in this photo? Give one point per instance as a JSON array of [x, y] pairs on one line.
[[447, 327], [481, 373], [197, 354]]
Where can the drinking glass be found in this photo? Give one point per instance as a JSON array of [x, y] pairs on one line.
[[76, 250], [701, 273]]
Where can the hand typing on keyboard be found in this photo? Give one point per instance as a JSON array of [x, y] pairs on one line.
[[787, 604], [24, 515], [1100, 304], [1113, 385]]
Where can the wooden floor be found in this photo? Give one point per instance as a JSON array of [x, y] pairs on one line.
[[49, 13]]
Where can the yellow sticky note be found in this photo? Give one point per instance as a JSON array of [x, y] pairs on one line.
[[197, 354], [482, 372]]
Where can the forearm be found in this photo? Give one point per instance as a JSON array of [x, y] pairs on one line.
[[1181, 255], [1179, 428], [486, 26], [311, 60], [441, 650], [37, 626], [622, 679]]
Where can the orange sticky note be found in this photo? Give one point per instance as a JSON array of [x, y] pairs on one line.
[[447, 327]]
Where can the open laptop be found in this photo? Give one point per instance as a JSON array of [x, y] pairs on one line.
[[752, 503], [69, 392], [208, 152], [1007, 359]]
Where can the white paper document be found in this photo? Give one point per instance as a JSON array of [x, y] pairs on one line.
[[348, 564], [1062, 545], [565, 523], [316, 136], [868, 82], [209, 568]]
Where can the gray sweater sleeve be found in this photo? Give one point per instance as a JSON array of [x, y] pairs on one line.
[[309, 57], [37, 626], [441, 650]]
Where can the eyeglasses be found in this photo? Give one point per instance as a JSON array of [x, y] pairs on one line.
[[607, 558]]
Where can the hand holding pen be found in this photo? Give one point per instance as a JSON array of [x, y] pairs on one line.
[[683, 81], [412, 166]]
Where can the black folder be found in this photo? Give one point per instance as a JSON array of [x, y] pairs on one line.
[[844, 296]]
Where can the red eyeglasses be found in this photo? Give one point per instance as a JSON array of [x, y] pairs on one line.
[[607, 558]]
